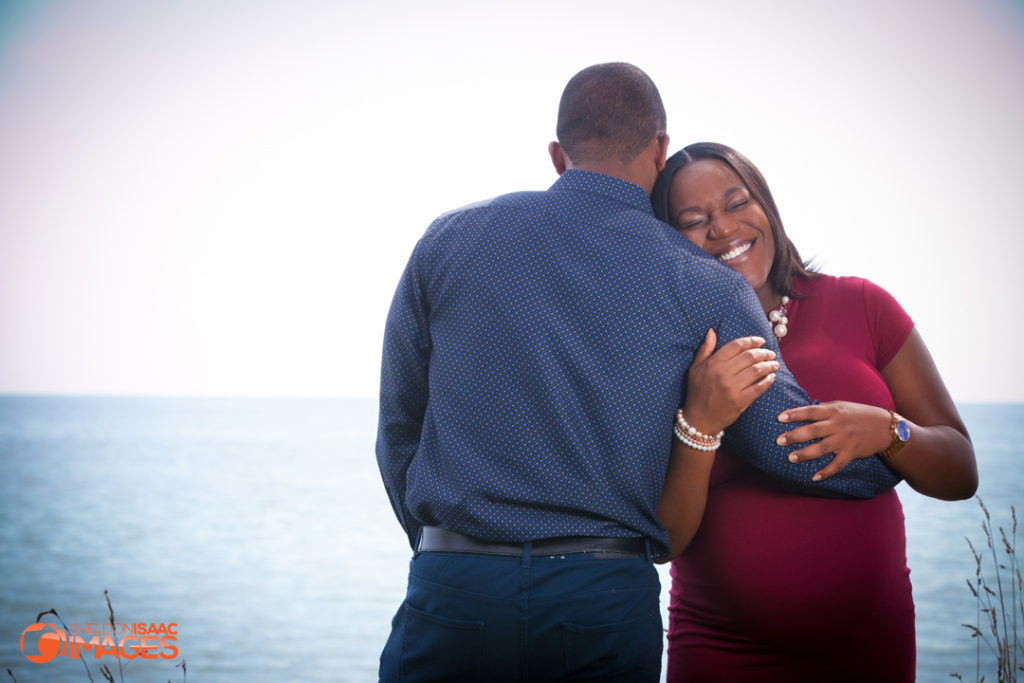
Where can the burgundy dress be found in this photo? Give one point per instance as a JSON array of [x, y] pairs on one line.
[[783, 587]]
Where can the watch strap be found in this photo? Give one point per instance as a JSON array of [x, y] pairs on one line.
[[898, 441]]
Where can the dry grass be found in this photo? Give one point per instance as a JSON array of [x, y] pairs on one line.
[[1000, 612], [105, 671]]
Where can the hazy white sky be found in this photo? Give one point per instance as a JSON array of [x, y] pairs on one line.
[[218, 197]]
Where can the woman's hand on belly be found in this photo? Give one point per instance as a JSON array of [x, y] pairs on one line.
[[849, 430]]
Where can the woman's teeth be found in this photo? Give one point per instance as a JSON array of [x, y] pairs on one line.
[[733, 253]]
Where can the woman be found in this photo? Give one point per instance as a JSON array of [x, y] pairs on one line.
[[777, 586]]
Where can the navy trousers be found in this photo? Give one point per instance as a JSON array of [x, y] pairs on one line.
[[578, 617]]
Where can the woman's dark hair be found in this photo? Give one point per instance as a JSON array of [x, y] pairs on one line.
[[787, 261]]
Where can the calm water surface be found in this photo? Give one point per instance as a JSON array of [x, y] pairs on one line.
[[261, 528]]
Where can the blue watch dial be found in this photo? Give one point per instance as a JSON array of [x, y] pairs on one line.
[[903, 430]]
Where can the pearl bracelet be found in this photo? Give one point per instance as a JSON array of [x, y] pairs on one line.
[[693, 438], [692, 431], [696, 446]]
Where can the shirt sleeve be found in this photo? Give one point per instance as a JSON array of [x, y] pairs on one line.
[[889, 324], [753, 435], [403, 390]]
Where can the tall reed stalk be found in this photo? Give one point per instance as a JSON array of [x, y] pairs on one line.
[[1000, 612], [105, 671]]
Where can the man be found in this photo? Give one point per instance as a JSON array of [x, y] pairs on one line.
[[534, 357]]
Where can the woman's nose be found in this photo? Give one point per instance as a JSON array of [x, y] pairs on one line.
[[721, 227]]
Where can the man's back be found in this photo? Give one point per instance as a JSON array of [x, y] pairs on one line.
[[561, 325]]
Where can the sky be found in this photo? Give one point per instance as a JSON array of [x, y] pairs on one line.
[[218, 198]]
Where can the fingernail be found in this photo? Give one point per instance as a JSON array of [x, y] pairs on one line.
[[781, 441], [816, 477], [783, 417], [792, 457], [771, 377]]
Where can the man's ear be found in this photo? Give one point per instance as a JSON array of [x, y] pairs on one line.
[[662, 152], [558, 157]]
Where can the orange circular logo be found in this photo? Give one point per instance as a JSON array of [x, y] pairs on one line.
[[48, 644]]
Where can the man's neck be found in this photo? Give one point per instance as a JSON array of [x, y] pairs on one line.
[[642, 170], [638, 174]]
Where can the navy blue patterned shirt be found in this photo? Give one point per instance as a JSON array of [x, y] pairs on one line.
[[535, 354]]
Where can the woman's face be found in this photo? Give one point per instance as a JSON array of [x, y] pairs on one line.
[[710, 206]]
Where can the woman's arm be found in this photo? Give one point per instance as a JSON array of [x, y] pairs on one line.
[[720, 386], [685, 495], [938, 460]]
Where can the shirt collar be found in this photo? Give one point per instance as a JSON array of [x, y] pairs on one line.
[[574, 180]]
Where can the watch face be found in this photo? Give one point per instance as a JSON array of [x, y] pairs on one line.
[[903, 430]]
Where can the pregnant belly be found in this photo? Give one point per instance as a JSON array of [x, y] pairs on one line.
[[779, 567]]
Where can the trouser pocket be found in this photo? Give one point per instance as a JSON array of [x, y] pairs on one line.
[[439, 648], [626, 651]]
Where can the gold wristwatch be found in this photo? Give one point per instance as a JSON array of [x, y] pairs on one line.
[[900, 430]]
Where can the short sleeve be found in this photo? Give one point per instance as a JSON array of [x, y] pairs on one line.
[[754, 433], [890, 325]]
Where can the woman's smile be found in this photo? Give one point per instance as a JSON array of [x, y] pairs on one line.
[[734, 252]]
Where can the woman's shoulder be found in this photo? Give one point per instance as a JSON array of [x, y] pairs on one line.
[[856, 303], [846, 286]]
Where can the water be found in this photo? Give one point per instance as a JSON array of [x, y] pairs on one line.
[[261, 528], [939, 558]]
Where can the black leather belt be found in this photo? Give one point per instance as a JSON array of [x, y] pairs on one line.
[[434, 539]]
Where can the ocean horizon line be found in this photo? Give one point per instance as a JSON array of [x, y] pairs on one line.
[[198, 396], [309, 397]]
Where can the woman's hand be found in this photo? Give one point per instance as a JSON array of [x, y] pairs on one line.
[[937, 461], [721, 384], [850, 430]]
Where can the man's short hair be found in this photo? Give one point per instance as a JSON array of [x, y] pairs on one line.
[[609, 111]]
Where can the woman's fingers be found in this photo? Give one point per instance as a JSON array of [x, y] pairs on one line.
[[838, 463], [706, 348], [742, 361], [737, 346], [847, 430], [812, 452], [749, 357], [756, 372], [752, 392], [735, 365], [807, 432], [819, 449], [806, 413]]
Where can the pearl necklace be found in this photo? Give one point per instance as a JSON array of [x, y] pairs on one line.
[[777, 317]]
